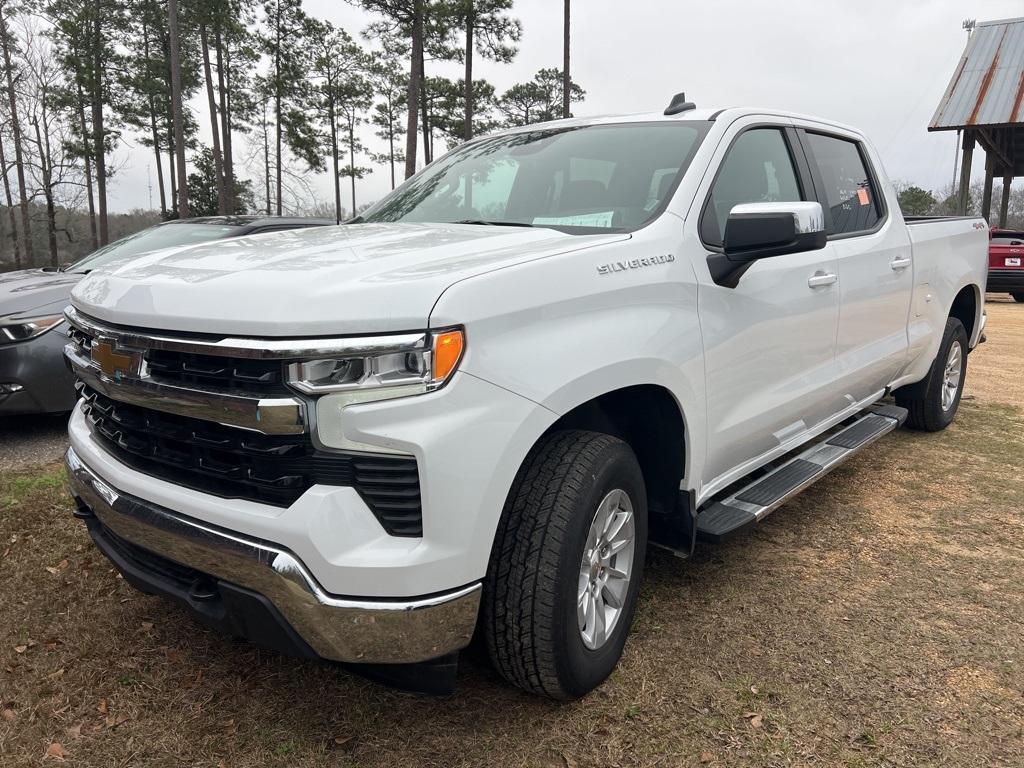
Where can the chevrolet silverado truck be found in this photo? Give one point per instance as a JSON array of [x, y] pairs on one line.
[[469, 411]]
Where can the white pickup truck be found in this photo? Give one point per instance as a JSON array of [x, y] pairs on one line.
[[470, 410]]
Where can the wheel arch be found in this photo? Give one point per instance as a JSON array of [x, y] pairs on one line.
[[967, 307]]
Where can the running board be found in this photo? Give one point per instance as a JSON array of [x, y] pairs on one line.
[[764, 495]]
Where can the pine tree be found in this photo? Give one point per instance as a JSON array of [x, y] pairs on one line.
[[427, 25], [7, 43], [285, 45], [492, 34], [85, 31], [337, 65], [390, 85], [538, 100]]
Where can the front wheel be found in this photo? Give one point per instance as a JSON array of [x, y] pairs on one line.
[[566, 565], [932, 403]]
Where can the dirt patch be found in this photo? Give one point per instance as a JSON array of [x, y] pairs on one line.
[[1000, 360], [878, 619]]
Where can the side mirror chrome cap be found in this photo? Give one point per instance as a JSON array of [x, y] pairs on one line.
[[807, 217], [757, 231]]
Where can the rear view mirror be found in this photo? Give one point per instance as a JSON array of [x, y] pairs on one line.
[[762, 230]]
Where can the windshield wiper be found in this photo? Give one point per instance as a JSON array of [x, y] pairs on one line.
[[486, 223]]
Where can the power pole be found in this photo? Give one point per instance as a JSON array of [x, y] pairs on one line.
[[566, 77]]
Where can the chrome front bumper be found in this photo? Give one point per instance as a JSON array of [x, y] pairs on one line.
[[361, 631]]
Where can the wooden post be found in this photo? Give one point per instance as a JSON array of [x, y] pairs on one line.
[[965, 173], [986, 196], [1004, 204]]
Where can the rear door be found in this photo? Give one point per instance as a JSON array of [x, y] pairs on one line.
[[769, 342], [874, 261]]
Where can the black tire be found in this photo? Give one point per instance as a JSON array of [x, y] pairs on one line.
[[529, 602], [1018, 296], [924, 399]]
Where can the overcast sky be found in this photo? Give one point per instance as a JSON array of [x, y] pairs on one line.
[[879, 65]]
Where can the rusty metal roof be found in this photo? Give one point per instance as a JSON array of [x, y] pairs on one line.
[[988, 85]]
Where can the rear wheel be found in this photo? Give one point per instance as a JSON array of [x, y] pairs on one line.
[[1018, 296], [566, 565], [932, 403]]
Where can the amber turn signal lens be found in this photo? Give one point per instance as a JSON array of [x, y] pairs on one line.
[[448, 348]]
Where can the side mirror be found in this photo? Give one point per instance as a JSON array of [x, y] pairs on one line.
[[762, 230]]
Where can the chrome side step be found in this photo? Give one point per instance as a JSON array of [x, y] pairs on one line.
[[764, 495]]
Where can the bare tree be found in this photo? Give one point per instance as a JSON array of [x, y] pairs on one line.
[[19, 159], [10, 205]]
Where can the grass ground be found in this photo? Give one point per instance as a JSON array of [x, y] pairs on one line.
[[878, 619]]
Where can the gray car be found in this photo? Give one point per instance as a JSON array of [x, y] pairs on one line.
[[33, 376]]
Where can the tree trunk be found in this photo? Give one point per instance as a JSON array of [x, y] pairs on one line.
[[266, 154], [156, 157], [218, 162], [97, 127], [277, 112], [332, 117], [470, 24], [88, 169], [46, 168], [172, 173], [428, 155], [155, 132], [352, 158], [413, 95], [223, 88], [176, 106], [26, 227], [391, 144], [566, 77], [10, 205]]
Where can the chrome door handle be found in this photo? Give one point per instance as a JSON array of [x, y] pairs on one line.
[[819, 279], [900, 262]]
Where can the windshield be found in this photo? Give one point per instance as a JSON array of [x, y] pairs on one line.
[[153, 239], [579, 179]]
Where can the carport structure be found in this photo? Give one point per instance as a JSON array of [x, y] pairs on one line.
[[985, 100]]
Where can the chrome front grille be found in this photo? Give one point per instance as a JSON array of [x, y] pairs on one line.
[[224, 424]]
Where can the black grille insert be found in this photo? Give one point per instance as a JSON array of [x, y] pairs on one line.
[[227, 374], [235, 463]]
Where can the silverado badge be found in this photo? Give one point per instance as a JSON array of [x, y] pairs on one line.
[[622, 266]]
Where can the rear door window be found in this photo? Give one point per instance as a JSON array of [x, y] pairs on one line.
[[852, 201]]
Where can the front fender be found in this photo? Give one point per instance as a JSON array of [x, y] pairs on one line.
[[560, 332]]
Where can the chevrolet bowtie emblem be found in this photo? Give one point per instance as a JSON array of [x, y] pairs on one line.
[[113, 363]]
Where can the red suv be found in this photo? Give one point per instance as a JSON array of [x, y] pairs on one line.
[[1006, 263]]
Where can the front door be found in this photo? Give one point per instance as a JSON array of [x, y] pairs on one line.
[[769, 342]]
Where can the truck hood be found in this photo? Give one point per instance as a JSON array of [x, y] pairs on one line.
[[355, 278], [26, 290]]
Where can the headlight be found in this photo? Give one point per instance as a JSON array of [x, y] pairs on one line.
[[398, 365], [23, 328]]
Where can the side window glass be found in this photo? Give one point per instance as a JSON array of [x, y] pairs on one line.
[[848, 192], [757, 169]]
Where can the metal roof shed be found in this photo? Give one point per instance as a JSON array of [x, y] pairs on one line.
[[985, 99]]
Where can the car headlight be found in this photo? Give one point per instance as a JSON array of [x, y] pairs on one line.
[[391, 367], [14, 329]]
